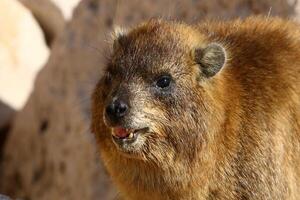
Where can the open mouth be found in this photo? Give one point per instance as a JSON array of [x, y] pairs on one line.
[[127, 135]]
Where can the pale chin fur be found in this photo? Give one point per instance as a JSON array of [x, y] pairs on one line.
[[133, 150]]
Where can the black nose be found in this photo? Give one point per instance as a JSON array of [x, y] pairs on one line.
[[116, 110]]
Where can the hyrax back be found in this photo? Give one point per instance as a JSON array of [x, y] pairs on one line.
[[210, 111]]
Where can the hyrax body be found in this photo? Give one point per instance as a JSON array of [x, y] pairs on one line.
[[210, 111]]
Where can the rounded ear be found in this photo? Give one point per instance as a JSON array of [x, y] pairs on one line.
[[211, 59]]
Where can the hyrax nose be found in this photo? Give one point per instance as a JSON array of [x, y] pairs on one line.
[[116, 109]]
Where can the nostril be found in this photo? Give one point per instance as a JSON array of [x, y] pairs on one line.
[[110, 109], [121, 109], [116, 109]]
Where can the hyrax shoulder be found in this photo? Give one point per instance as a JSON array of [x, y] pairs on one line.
[[207, 111]]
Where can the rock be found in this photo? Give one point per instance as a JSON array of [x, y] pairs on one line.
[[50, 152], [66, 7], [49, 17], [2, 197], [6, 119], [22, 53], [6, 115], [297, 15]]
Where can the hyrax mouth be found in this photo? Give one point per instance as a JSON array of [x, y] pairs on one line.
[[126, 135]]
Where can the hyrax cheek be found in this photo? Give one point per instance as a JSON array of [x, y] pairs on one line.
[[145, 118], [138, 119]]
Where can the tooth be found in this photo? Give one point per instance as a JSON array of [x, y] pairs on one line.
[[131, 135]]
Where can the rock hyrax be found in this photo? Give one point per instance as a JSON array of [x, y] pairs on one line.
[[207, 111]]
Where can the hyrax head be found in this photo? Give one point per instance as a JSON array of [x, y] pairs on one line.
[[153, 97]]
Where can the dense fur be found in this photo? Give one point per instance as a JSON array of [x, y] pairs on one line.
[[234, 134]]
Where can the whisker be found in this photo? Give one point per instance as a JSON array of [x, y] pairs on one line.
[[269, 13]]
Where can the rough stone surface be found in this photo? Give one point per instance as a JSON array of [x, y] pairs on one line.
[[50, 153]]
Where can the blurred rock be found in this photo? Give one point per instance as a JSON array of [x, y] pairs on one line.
[[50, 153], [6, 119], [66, 7], [6, 114], [22, 52], [2, 197], [297, 15], [49, 17]]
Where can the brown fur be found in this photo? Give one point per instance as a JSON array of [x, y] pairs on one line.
[[235, 135]]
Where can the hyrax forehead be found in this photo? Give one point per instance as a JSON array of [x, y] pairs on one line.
[[154, 46], [157, 47]]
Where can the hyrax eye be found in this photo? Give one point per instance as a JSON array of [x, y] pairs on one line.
[[163, 81]]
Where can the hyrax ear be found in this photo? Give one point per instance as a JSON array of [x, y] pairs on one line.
[[118, 36], [211, 59]]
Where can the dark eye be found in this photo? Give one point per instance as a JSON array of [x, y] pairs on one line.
[[163, 81]]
